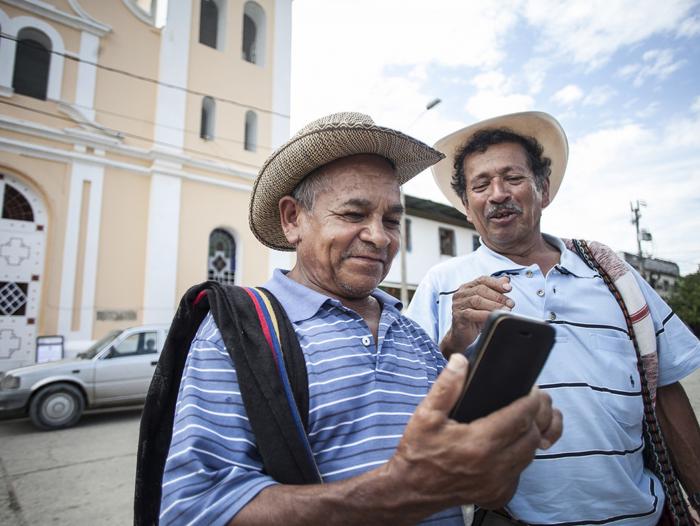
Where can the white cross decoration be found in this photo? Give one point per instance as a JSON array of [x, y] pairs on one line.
[[14, 251], [9, 343]]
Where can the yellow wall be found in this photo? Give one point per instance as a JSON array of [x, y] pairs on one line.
[[123, 102], [126, 104], [248, 86], [122, 247], [204, 208]]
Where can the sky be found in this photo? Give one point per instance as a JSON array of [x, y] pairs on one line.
[[622, 77]]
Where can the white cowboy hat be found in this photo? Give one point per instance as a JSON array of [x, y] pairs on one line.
[[320, 142], [539, 125]]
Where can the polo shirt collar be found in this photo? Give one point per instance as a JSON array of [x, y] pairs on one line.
[[301, 302], [569, 262]]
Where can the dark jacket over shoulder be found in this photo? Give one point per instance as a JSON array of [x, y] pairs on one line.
[[285, 454]]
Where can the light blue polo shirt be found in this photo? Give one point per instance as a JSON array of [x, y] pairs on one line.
[[362, 392], [595, 472]]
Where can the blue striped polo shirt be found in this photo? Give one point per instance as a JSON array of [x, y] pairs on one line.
[[362, 393], [595, 473]]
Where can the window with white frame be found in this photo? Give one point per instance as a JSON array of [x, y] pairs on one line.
[[222, 257], [32, 63], [206, 130], [253, 45], [251, 131]]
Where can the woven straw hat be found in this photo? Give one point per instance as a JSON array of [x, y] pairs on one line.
[[541, 126], [320, 142]]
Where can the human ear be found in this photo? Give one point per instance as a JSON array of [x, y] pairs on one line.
[[290, 212], [545, 193]]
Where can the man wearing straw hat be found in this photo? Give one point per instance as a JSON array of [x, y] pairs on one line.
[[617, 341], [379, 389]]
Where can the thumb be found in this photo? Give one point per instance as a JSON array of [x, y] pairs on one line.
[[449, 385]]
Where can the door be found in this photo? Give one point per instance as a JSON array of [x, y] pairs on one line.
[[22, 245], [124, 373]]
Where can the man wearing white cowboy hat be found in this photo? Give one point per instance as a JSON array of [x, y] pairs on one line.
[[379, 389], [617, 341]]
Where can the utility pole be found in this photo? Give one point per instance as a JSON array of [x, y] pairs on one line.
[[642, 234], [636, 215], [402, 248]]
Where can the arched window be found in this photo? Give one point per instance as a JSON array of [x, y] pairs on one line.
[[32, 61], [15, 206], [208, 23], [253, 49], [206, 130], [222, 257], [251, 131]]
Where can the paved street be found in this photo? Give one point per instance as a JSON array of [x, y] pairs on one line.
[[85, 475], [78, 476]]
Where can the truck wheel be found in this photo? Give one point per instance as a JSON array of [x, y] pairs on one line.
[[56, 406]]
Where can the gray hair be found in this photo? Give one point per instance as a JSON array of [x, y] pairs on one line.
[[310, 186]]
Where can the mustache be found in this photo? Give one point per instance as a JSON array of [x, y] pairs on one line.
[[501, 208]]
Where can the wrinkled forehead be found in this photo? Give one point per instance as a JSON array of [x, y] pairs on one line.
[[495, 158]]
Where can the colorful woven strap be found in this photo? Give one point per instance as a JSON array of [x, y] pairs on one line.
[[656, 452], [270, 328]]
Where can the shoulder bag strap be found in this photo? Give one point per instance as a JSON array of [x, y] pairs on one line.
[[252, 335], [656, 452]]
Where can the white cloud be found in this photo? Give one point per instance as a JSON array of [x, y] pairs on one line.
[[591, 32], [340, 49], [690, 27], [648, 111], [535, 73], [598, 96], [495, 96], [656, 63], [568, 95], [695, 107], [611, 167]]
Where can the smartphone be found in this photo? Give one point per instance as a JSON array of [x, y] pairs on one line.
[[511, 352]]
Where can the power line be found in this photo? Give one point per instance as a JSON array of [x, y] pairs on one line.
[[134, 136], [175, 128], [154, 81]]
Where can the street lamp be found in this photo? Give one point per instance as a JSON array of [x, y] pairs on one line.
[[402, 248]]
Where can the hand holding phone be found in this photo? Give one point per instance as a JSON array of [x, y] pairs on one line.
[[511, 352]]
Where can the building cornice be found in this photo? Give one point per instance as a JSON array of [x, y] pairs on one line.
[[113, 144], [75, 5], [146, 18], [56, 154], [43, 9]]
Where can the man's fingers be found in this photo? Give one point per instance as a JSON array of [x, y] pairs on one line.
[[544, 413], [468, 293], [449, 385], [554, 431], [501, 283], [507, 425], [548, 420]]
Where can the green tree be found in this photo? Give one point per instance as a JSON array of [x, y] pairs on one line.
[[685, 301]]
